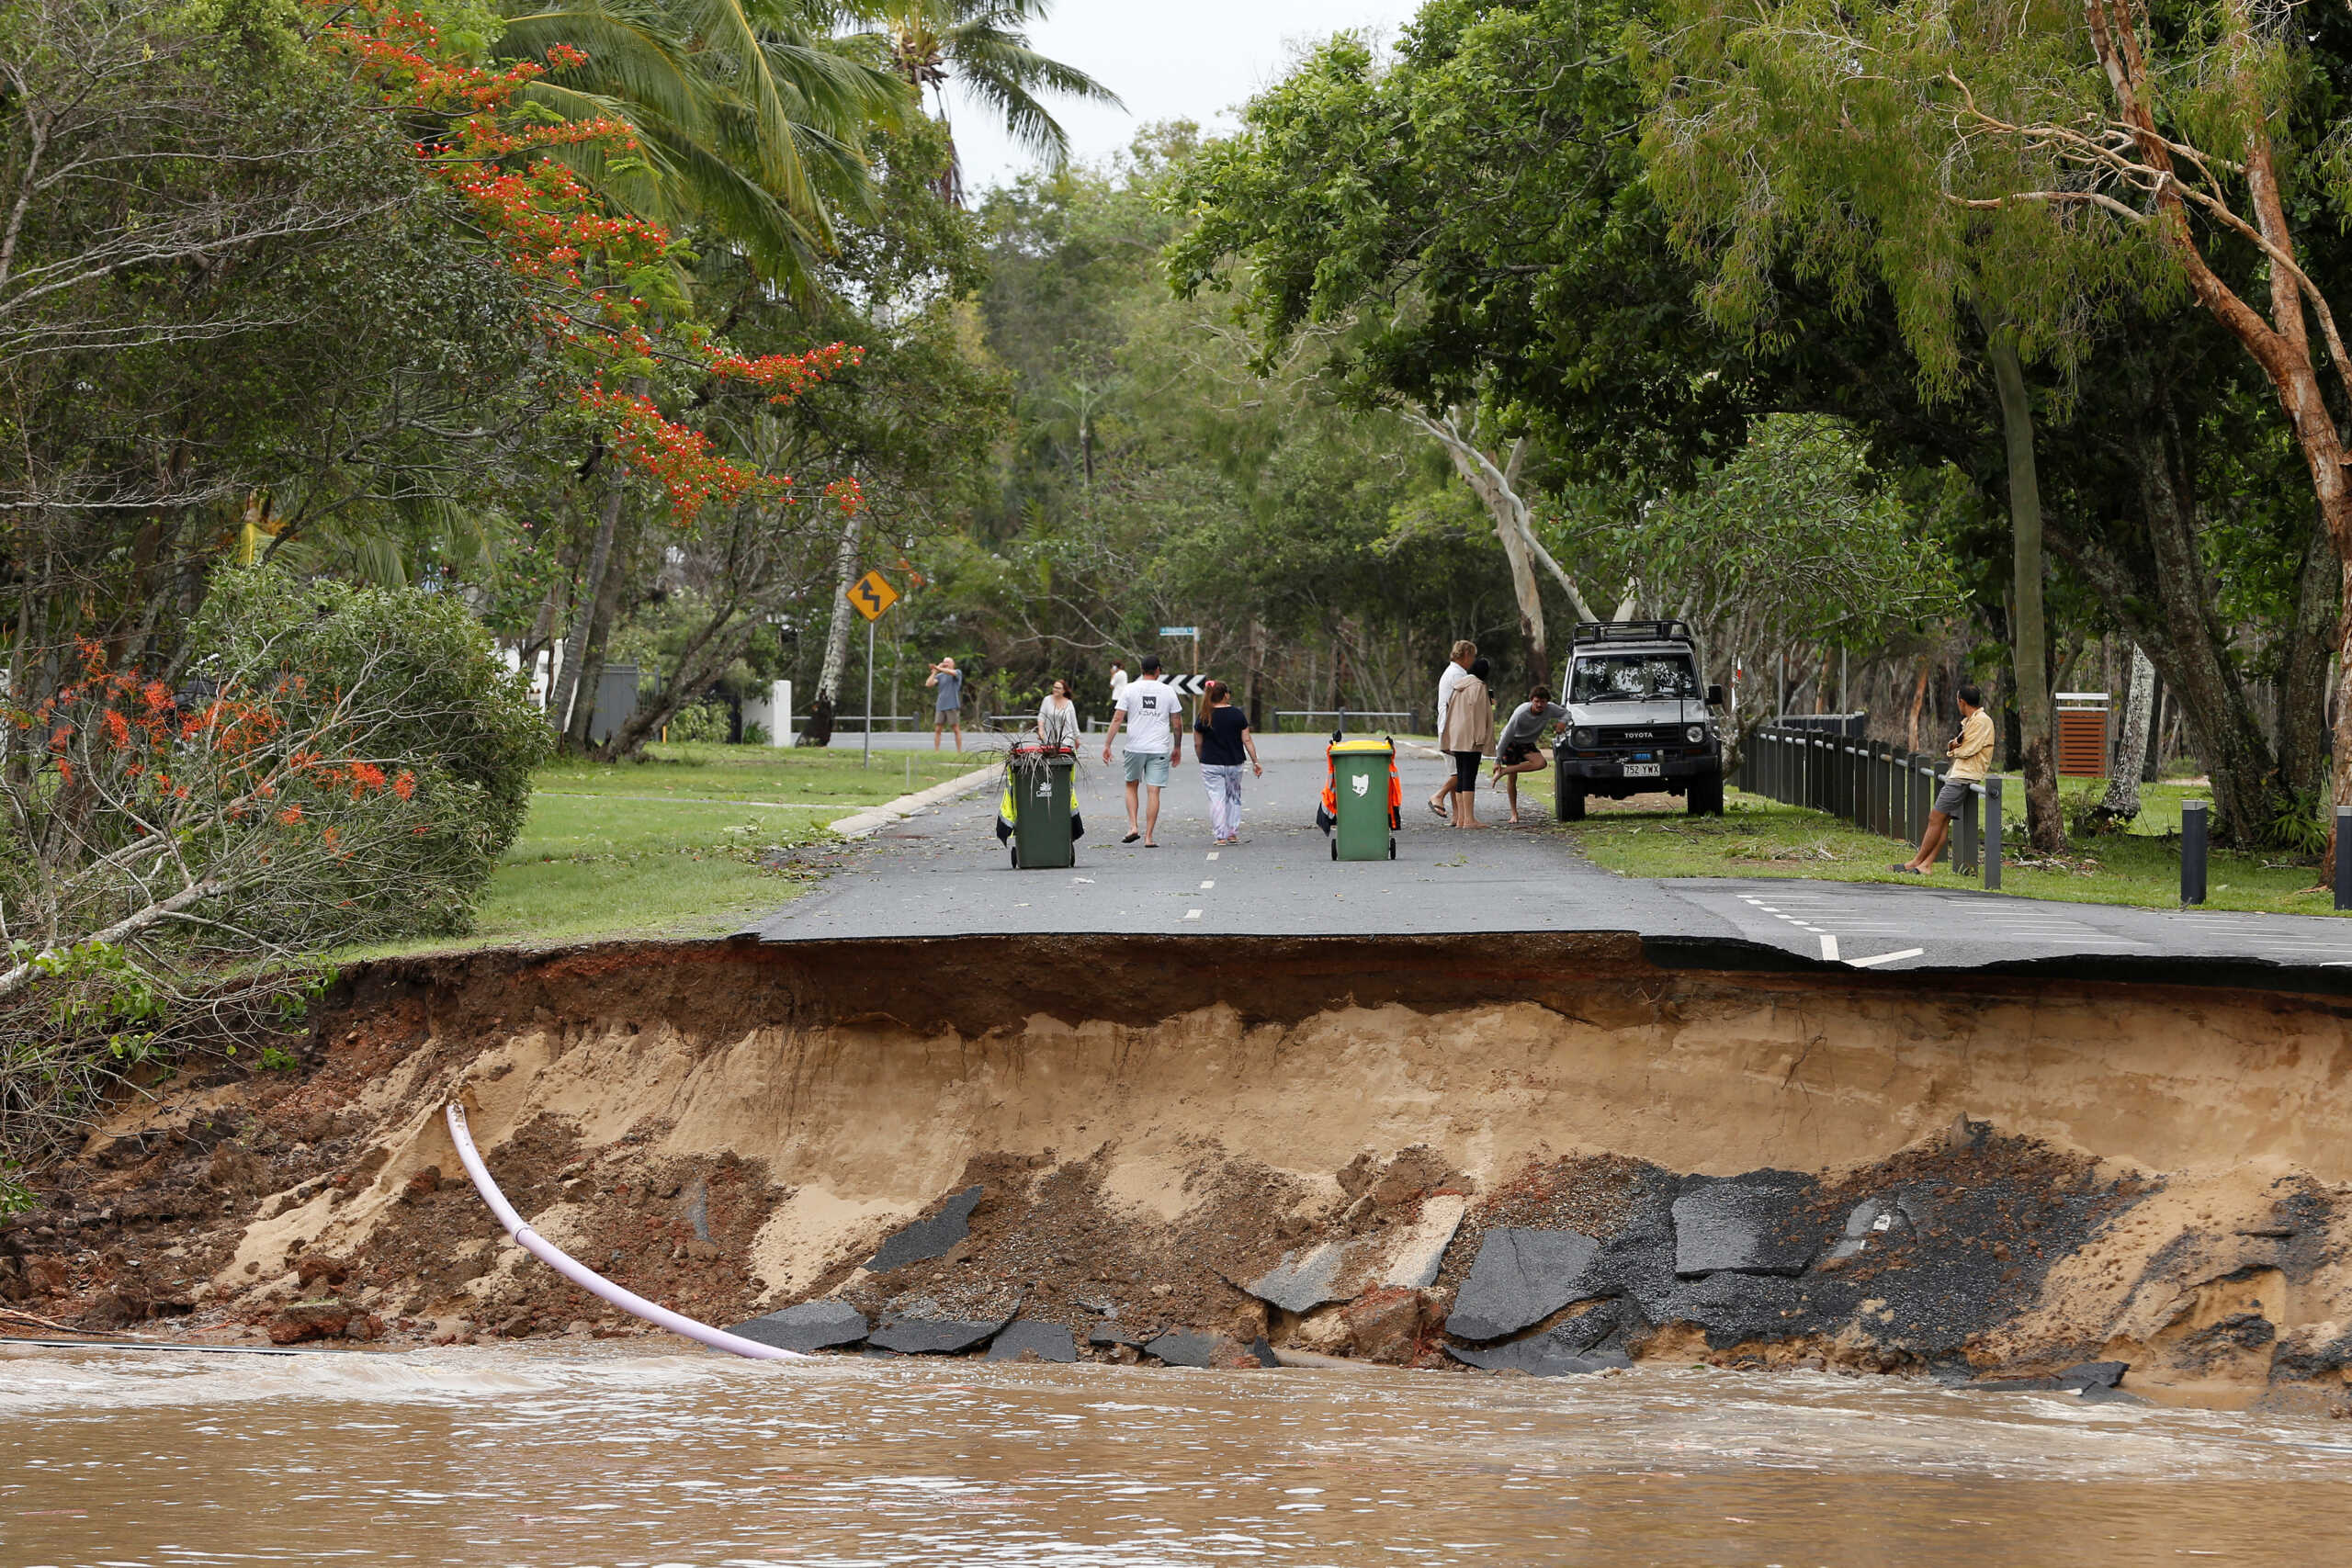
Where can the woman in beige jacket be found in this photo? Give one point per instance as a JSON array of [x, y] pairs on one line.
[[1469, 731]]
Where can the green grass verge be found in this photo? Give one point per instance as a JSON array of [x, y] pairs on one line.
[[1756, 837], [672, 846]]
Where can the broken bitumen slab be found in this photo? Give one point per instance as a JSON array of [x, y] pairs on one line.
[[927, 1238], [1190, 1347], [2081, 1377], [1183, 1347], [1520, 1278], [1413, 1261], [1748, 1225], [933, 1335], [1107, 1334], [1046, 1341], [1304, 1281], [1540, 1355], [811, 1325]]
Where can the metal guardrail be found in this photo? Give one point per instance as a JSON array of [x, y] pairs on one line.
[[1876, 786], [1342, 714]]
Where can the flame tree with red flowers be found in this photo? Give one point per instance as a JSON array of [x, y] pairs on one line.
[[340, 764]]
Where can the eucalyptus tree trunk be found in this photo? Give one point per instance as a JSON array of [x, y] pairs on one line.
[[820, 729], [2028, 632], [2121, 802], [584, 609], [1496, 486]]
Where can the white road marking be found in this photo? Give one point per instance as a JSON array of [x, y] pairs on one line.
[[1192, 914], [1206, 885], [1212, 854], [1081, 879], [1829, 947], [1886, 957]]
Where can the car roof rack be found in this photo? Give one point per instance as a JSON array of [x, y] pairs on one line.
[[1633, 631]]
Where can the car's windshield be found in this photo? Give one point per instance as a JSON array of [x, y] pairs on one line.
[[1632, 677]]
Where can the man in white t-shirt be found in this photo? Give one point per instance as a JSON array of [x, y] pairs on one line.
[[1149, 709], [1456, 672], [1118, 681]]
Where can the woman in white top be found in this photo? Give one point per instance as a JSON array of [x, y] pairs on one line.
[[1057, 716]]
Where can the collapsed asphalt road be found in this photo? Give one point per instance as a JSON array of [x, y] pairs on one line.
[[1547, 1154], [944, 875]]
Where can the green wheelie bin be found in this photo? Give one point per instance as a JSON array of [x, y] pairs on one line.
[[1360, 799], [1037, 814]]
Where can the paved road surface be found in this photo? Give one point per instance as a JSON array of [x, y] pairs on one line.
[[945, 875]]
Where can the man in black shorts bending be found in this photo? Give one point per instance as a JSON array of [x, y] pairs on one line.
[[1519, 747]]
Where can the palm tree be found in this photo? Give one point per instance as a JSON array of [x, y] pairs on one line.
[[981, 46], [752, 120]]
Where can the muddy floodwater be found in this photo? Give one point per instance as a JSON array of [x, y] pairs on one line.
[[606, 1454]]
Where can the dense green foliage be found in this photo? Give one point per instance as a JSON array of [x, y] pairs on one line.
[[448, 712]]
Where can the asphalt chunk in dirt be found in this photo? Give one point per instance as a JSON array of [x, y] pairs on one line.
[[1520, 1277], [933, 1236], [809, 1326], [1024, 1340]]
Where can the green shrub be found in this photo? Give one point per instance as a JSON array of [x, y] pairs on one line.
[[440, 705], [707, 722]]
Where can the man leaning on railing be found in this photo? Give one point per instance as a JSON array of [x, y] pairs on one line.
[[1972, 757]]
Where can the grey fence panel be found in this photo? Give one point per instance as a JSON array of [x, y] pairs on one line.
[[615, 700]]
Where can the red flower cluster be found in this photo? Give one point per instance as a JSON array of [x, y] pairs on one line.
[[113, 729], [785, 375], [552, 228]]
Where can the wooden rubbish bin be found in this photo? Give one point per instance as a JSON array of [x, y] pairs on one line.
[[2082, 735]]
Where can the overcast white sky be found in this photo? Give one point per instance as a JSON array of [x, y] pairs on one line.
[[1194, 59]]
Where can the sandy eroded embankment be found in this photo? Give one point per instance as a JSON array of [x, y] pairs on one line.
[[1310, 1142]]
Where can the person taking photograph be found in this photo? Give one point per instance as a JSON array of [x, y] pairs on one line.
[[949, 711]]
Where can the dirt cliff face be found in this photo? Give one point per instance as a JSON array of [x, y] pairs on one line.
[[1320, 1143]]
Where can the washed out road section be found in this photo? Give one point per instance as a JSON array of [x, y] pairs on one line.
[[945, 873]]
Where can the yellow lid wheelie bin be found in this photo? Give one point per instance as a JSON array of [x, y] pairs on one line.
[[1363, 800], [1038, 815]]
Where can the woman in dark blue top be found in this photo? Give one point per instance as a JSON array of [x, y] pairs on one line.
[[1225, 744]]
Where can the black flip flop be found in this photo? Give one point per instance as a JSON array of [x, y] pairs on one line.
[[1131, 838]]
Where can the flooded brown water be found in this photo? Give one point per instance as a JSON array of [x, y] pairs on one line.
[[606, 1454]]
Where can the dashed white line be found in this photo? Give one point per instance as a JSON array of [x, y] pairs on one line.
[[1212, 854], [1828, 948], [1192, 914], [1886, 957], [1206, 885]]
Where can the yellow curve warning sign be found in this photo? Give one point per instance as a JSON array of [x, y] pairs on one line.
[[872, 594]]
